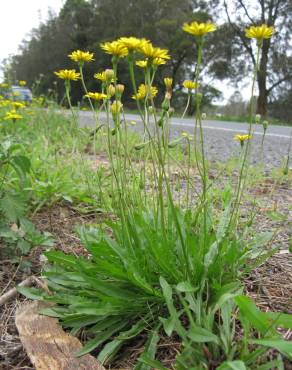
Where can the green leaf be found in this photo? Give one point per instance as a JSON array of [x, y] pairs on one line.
[[31, 293], [276, 216], [232, 365], [282, 346], [249, 311], [13, 206], [211, 255], [185, 287], [22, 163], [112, 347], [202, 335], [280, 319], [100, 338], [24, 246], [150, 362], [150, 350]]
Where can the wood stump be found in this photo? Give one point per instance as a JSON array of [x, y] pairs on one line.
[[46, 343]]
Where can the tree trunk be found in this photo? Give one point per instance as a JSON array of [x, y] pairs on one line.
[[262, 101]]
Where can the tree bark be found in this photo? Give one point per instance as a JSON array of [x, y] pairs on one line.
[[262, 101]]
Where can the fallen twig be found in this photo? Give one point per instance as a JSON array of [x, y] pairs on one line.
[[26, 283]]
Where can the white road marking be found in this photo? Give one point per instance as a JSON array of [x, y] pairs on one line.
[[181, 124], [230, 130]]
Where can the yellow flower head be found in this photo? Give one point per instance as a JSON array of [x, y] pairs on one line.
[[144, 90], [18, 105], [199, 29], [242, 138], [168, 82], [158, 61], [152, 52], [259, 32], [142, 63], [116, 107], [132, 43], [190, 85], [96, 96], [12, 115], [79, 56], [100, 76], [4, 85], [22, 83], [68, 74], [115, 48]]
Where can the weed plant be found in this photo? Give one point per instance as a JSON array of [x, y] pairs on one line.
[[166, 264]]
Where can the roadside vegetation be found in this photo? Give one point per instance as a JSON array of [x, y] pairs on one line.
[[171, 244]]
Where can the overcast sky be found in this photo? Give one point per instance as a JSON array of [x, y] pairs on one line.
[[18, 17]]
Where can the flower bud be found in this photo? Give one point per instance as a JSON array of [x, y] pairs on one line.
[[111, 90], [265, 125], [116, 107], [109, 74], [168, 83], [257, 118], [120, 88], [204, 115]]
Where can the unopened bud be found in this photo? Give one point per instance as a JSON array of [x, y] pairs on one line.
[[257, 118], [111, 90], [168, 83], [120, 88], [204, 115], [265, 125], [109, 74]]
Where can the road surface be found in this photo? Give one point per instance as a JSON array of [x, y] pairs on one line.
[[218, 136]]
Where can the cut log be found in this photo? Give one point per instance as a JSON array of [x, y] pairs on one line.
[[46, 343]]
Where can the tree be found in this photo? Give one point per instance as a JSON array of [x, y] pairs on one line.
[[275, 66], [85, 24]]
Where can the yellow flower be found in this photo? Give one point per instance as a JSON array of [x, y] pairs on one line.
[[68, 74], [4, 85], [22, 83], [12, 115], [142, 63], [81, 56], [116, 107], [100, 76], [143, 91], [152, 52], [259, 32], [168, 82], [18, 105], [242, 138], [132, 43], [96, 96], [115, 48], [158, 61], [190, 85], [199, 29]]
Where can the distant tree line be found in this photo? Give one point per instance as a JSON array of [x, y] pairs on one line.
[[84, 24]]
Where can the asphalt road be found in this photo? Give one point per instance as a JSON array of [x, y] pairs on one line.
[[218, 136]]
